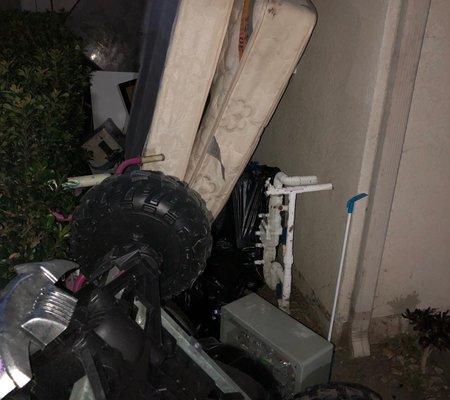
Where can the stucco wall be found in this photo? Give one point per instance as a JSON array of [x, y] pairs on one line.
[[415, 268], [320, 128], [44, 5], [9, 4]]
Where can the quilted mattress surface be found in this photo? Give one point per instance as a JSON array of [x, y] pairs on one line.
[[209, 149], [245, 93], [191, 60]]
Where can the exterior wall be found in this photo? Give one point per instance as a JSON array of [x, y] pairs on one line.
[[44, 5], [327, 122], [415, 269], [9, 4], [320, 128]]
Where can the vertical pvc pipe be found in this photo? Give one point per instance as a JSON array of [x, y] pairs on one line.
[[288, 258]]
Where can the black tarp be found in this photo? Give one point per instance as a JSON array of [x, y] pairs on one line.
[[159, 20]]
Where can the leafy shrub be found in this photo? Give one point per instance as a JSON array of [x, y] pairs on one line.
[[433, 329], [43, 79]]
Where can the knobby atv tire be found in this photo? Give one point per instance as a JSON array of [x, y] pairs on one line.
[[144, 207], [338, 391]]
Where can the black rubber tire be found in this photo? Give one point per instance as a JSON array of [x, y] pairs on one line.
[[145, 207], [240, 360], [338, 391]]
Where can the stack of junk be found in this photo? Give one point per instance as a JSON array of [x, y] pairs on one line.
[[221, 70]]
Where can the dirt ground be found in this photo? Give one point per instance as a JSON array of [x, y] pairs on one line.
[[392, 370]]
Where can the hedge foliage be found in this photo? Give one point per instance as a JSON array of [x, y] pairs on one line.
[[43, 79]]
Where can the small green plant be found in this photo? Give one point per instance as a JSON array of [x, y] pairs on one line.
[[433, 329], [43, 79]]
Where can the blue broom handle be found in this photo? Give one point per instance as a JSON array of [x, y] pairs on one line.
[[351, 202]]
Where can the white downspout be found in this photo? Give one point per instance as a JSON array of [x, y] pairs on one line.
[[400, 54]]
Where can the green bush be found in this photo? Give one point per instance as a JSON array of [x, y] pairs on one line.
[[43, 79]]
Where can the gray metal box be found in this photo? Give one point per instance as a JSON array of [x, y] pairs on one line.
[[296, 355]]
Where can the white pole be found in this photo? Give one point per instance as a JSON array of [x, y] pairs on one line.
[[338, 283], [350, 206]]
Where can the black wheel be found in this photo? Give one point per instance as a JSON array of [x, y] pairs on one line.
[[263, 383], [338, 391], [144, 207]]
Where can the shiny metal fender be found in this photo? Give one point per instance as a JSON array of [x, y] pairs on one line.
[[33, 312]]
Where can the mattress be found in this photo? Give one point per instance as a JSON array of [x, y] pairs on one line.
[[191, 60], [245, 93]]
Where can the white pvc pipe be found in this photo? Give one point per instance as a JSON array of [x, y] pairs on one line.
[[273, 274], [299, 189], [76, 182], [271, 229], [277, 273], [338, 283], [281, 179], [288, 258]]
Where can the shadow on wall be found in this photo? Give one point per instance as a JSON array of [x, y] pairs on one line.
[[400, 304]]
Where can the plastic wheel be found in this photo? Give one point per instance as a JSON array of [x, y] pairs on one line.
[[144, 207], [338, 391]]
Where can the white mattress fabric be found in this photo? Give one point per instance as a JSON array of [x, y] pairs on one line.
[[203, 58], [245, 93], [191, 60]]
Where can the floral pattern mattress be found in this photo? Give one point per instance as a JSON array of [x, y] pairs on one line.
[[210, 148]]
